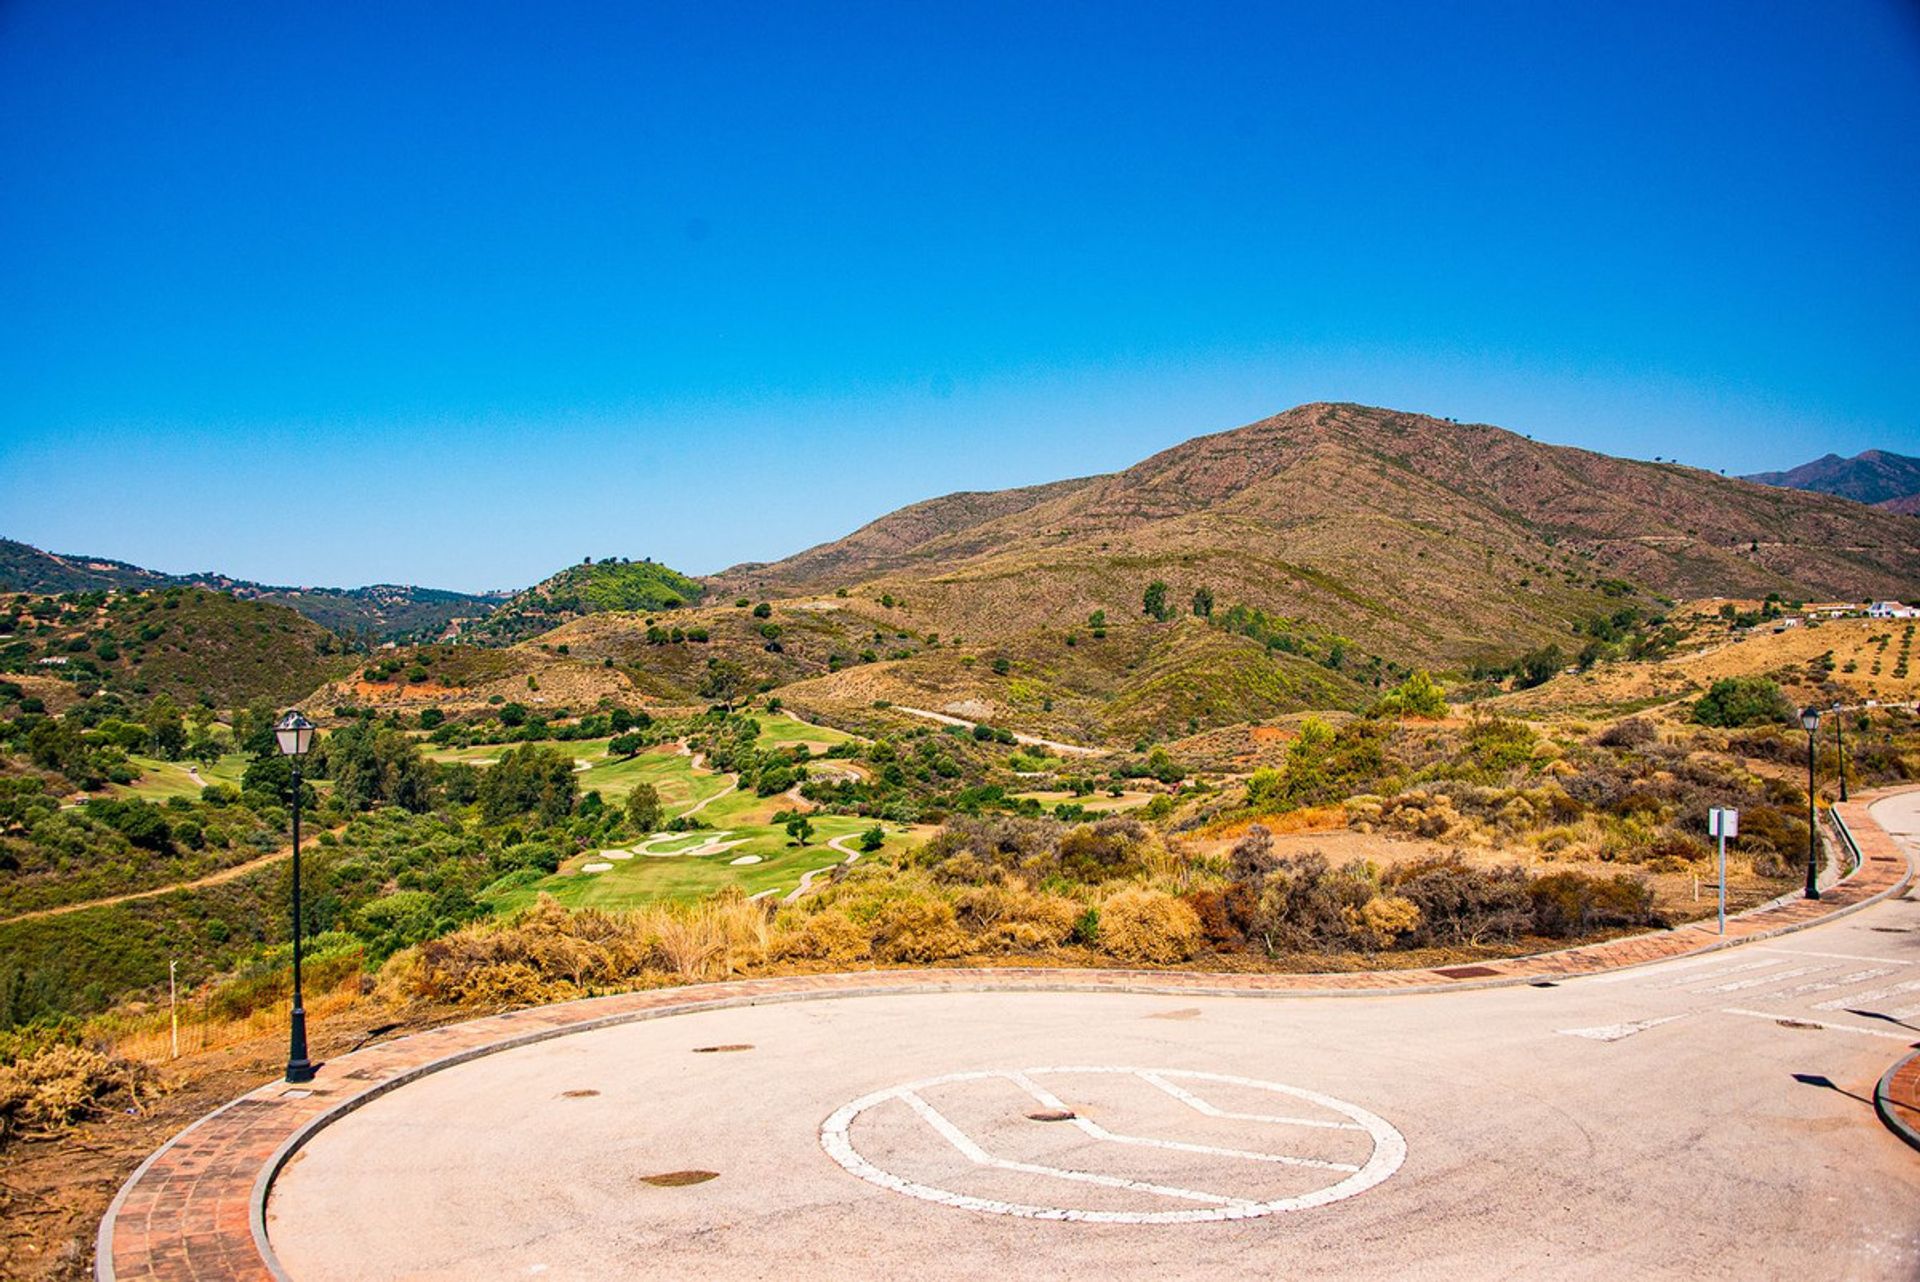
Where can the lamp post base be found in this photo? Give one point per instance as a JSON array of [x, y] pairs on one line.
[[299, 1067]]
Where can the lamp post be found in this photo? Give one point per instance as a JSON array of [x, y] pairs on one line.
[[1840, 738], [294, 734], [1809, 721]]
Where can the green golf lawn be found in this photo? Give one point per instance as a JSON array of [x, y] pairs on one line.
[[643, 879], [160, 780]]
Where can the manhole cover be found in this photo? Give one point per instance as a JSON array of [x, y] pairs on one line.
[[1132, 1145]]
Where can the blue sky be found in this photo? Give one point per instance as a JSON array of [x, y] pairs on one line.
[[457, 294]]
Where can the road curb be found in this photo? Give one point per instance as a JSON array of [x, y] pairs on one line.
[[1897, 1099]]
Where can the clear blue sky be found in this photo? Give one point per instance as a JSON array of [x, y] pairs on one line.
[[459, 293]]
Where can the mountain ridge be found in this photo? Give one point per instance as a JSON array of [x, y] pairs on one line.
[[384, 611], [1877, 477]]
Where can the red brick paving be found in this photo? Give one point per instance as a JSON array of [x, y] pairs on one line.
[[190, 1213], [1897, 1099]]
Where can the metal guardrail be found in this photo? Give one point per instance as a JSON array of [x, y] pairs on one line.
[[1847, 842]]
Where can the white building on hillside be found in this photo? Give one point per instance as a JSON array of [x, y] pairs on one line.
[[1891, 610]]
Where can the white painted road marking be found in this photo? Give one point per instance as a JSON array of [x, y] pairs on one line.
[[1389, 1148], [1799, 952], [1616, 1032], [1874, 995], [1201, 1106], [1763, 980]]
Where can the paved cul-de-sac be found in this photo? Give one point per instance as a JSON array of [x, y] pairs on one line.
[[1704, 1117]]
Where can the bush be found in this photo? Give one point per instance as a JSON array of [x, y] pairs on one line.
[[1742, 701], [920, 929], [1418, 696], [1015, 919], [1634, 732], [829, 936], [1151, 926], [1460, 904], [62, 1084], [1571, 903]]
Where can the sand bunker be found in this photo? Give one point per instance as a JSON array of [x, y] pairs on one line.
[[598, 867], [744, 859], [714, 844]]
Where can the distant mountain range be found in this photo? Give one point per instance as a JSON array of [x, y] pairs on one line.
[[1877, 477], [381, 612]]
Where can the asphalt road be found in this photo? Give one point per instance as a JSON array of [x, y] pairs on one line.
[[1704, 1118]]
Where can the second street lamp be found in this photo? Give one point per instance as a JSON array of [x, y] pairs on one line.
[[1840, 740], [294, 735], [1810, 722]]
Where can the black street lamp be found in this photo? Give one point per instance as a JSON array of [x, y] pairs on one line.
[[294, 734], [1810, 721], [1840, 738]]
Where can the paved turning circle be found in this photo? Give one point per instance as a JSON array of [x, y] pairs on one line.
[[1113, 1145]]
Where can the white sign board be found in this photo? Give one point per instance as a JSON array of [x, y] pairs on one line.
[[1723, 823]]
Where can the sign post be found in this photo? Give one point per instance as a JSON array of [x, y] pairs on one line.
[[1723, 824]]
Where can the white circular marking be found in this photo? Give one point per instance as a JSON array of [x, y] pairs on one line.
[[1389, 1149]]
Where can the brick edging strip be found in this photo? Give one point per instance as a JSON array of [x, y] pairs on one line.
[[196, 1208], [1896, 1098]]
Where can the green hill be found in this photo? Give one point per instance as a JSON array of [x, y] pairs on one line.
[[590, 587], [185, 642]]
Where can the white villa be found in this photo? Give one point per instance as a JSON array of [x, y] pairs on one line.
[[1892, 610]]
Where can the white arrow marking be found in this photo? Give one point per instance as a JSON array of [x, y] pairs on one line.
[[1616, 1032]]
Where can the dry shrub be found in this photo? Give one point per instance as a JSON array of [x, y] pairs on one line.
[[1013, 919], [548, 953], [829, 936], [1571, 903], [63, 1084], [918, 929], [1634, 732], [1142, 925], [1384, 919], [1307, 819]]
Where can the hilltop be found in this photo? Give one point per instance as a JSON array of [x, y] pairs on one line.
[[381, 611], [590, 587], [1878, 477]]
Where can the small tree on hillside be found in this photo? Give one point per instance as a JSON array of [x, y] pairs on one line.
[[1154, 600], [800, 828], [1418, 696], [1203, 602]]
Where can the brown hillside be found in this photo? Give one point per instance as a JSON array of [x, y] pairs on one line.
[[1420, 539]]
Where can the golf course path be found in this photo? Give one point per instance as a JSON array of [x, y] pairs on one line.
[[211, 879], [699, 762], [1031, 741], [806, 878]]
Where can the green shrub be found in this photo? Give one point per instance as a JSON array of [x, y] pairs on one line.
[[1742, 701]]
